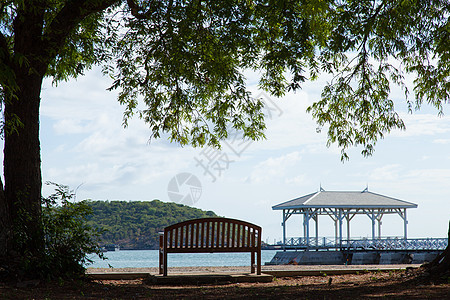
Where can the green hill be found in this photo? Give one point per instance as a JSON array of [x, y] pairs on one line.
[[135, 224]]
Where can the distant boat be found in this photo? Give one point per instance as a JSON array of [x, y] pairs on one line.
[[111, 247], [271, 247]]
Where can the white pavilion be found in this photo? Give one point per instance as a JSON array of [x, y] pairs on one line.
[[342, 206]]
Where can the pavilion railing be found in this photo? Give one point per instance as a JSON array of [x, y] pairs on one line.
[[397, 244], [300, 242], [388, 243]]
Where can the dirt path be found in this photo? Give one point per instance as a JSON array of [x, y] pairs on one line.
[[372, 285]]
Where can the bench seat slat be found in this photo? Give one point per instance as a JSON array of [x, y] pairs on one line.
[[208, 225], [196, 235], [238, 236], [176, 238]]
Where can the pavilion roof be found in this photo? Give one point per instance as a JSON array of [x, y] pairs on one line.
[[341, 199]]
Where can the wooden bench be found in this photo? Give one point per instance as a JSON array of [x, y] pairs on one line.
[[210, 235]]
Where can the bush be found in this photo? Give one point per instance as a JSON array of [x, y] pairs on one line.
[[67, 236]]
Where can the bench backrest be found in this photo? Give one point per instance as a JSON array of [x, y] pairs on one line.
[[212, 235]]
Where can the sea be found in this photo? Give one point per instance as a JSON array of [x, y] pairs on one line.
[[150, 258]]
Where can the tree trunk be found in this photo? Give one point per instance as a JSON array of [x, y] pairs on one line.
[[5, 226], [22, 169], [22, 239]]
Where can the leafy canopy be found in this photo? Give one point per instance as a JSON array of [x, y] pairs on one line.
[[179, 65], [373, 45]]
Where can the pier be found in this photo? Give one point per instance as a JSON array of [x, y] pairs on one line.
[[342, 207]]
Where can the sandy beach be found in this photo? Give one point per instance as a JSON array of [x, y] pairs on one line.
[[246, 269]]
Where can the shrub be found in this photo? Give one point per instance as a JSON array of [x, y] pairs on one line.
[[68, 239]]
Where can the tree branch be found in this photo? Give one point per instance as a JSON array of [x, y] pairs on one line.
[[5, 57], [7, 78], [67, 19], [135, 8]]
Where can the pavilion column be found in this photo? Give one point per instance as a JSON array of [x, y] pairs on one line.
[[379, 217], [306, 218], [340, 227], [348, 227], [402, 214], [379, 228], [304, 228], [317, 229], [349, 217], [336, 231], [284, 229], [405, 224], [373, 224], [307, 227]]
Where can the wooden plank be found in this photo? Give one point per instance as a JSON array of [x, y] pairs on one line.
[[202, 235], [191, 235], [176, 238], [222, 234], [248, 236], [207, 234], [238, 235], [170, 233], [217, 233], [229, 235], [182, 239], [196, 235], [233, 235]]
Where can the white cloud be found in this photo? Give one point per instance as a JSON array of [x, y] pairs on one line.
[[274, 168], [293, 128], [70, 126], [442, 141], [298, 180], [423, 125], [388, 172], [438, 177]]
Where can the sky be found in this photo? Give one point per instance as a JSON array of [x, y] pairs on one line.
[[85, 146]]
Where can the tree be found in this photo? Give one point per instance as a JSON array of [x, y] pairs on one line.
[[179, 66], [141, 221]]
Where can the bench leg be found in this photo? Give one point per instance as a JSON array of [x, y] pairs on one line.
[[258, 263], [161, 261], [165, 263], [252, 262], [161, 254]]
